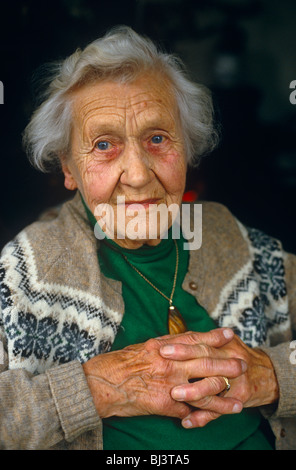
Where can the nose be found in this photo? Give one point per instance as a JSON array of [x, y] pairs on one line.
[[136, 166]]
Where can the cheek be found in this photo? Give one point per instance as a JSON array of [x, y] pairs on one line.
[[171, 171], [99, 182]]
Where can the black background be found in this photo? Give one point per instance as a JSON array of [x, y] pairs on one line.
[[243, 50]]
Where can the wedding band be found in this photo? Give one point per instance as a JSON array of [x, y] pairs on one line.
[[227, 385]]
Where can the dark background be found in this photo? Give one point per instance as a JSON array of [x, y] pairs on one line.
[[244, 50]]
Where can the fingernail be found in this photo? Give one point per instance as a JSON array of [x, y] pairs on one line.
[[178, 393], [236, 408], [167, 350], [228, 333], [244, 366], [187, 423]]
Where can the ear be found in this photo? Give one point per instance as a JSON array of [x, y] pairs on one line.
[[70, 181]]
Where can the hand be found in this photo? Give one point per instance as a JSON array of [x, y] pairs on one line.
[[257, 386], [137, 380]]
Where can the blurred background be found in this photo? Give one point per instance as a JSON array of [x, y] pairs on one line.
[[244, 50]]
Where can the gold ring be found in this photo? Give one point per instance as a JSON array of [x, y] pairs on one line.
[[227, 385]]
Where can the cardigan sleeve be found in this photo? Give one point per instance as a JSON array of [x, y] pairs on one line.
[[290, 268], [286, 376], [39, 411], [281, 354]]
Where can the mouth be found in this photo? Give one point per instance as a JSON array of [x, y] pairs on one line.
[[145, 203]]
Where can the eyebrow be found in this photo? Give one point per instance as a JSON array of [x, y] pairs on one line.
[[99, 127], [104, 128]]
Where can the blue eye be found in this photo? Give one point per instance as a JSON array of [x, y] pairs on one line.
[[157, 139], [103, 145]]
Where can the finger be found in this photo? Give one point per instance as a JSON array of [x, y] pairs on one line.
[[215, 338], [176, 410], [203, 394], [219, 405], [199, 418], [210, 386], [210, 367], [185, 352]]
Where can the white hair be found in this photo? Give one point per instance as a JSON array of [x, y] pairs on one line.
[[120, 55]]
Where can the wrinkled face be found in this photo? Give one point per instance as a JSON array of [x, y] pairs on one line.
[[127, 142]]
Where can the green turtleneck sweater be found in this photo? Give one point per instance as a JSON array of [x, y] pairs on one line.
[[145, 317]]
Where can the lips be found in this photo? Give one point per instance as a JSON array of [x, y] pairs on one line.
[[140, 204], [144, 201]]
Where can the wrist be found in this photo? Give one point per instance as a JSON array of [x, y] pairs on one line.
[[109, 398], [98, 390], [266, 388]]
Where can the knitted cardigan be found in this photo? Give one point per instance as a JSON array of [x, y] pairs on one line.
[[57, 311]]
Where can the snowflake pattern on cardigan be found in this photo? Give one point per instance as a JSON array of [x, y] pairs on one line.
[[55, 325], [74, 328], [261, 285]]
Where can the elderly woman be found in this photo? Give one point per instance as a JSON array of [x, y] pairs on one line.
[[116, 339]]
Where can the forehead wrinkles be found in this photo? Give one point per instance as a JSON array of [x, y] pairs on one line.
[[125, 111], [145, 110]]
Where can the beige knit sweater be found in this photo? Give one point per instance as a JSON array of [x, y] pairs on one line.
[[57, 310]]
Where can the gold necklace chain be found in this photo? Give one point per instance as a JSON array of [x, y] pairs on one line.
[[176, 323], [170, 299]]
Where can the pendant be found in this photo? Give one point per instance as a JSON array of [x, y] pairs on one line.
[[176, 323]]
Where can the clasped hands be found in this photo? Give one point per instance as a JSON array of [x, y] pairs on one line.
[[182, 376]]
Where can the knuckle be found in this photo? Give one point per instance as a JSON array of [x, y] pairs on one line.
[[182, 411], [236, 366], [204, 363], [192, 337], [204, 402], [151, 344], [203, 350], [217, 384], [190, 333], [204, 417], [215, 334], [211, 415], [245, 391], [212, 365]]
